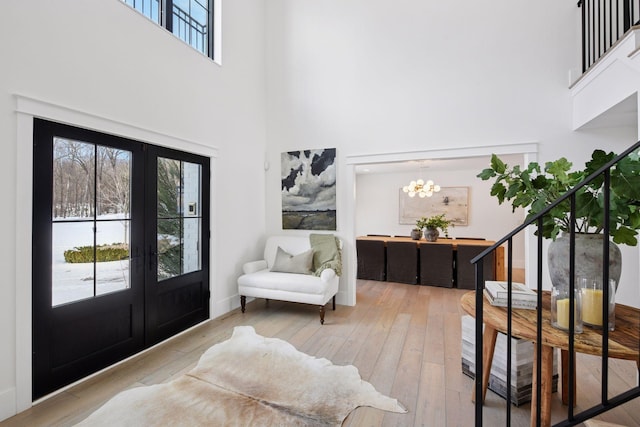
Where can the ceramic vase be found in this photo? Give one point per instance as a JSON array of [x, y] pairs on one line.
[[431, 234], [588, 259]]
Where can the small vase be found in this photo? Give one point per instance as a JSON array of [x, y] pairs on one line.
[[416, 234], [431, 234]]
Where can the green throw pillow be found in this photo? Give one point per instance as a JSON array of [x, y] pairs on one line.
[[287, 263]]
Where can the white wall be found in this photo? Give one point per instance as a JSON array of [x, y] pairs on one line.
[[102, 59], [372, 77], [365, 77], [377, 207]]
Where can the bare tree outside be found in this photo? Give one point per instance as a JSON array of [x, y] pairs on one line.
[[73, 166], [91, 212], [113, 185], [76, 165]]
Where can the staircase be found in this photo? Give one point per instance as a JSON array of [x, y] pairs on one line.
[[536, 222]]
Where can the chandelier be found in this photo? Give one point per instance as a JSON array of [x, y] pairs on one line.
[[421, 188]]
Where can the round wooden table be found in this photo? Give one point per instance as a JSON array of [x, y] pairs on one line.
[[623, 344]]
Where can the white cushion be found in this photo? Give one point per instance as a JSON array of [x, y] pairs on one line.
[[287, 263], [266, 279]]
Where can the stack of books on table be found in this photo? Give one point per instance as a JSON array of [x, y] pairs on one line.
[[496, 293], [521, 368]]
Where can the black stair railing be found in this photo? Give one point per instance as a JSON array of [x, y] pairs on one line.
[[604, 22], [537, 222]]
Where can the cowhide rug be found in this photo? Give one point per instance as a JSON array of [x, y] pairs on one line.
[[248, 380]]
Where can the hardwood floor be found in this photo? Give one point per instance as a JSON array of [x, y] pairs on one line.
[[404, 339]]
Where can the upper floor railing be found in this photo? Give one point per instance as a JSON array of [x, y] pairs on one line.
[[604, 22], [604, 175]]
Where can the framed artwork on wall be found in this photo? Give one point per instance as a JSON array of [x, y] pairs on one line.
[[309, 189], [451, 201]]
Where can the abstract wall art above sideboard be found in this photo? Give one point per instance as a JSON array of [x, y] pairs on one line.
[[451, 201]]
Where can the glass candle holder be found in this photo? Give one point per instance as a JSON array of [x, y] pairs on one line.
[[560, 309], [592, 300]]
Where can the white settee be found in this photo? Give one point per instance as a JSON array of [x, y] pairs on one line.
[[259, 281]]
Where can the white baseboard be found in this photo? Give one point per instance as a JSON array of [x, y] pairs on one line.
[[218, 308], [7, 403]]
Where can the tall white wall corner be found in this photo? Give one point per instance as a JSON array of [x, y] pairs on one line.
[[7, 403]]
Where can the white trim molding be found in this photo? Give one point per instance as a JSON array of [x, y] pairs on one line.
[[37, 108], [444, 153]]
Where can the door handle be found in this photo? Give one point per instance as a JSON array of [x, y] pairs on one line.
[[153, 257]]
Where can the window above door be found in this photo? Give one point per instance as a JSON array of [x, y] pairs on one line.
[[189, 20]]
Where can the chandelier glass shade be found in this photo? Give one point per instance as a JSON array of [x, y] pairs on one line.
[[421, 188]]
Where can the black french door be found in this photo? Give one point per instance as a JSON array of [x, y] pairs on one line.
[[120, 249], [177, 210]]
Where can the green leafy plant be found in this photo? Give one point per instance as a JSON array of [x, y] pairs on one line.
[[436, 221], [535, 188]]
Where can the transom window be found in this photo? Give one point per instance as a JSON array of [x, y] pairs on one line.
[[189, 20]]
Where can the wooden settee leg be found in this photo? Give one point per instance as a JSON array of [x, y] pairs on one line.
[[243, 302], [322, 314], [334, 303]]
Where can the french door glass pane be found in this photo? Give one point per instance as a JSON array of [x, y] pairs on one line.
[[192, 214], [179, 217], [114, 187], [71, 281], [169, 177], [169, 248], [91, 220], [114, 260], [191, 245], [73, 175], [113, 222]]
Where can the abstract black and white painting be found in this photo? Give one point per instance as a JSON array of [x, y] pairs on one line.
[[309, 189]]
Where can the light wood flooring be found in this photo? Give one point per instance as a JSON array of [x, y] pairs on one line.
[[404, 339]]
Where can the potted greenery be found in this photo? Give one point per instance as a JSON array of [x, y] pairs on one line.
[[535, 188], [432, 224], [416, 232]]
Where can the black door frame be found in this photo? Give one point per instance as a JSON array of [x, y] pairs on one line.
[[133, 302]]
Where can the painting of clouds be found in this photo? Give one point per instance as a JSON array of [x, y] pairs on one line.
[[309, 189]]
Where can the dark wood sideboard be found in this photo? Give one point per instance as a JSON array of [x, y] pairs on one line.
[[445, 262]]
